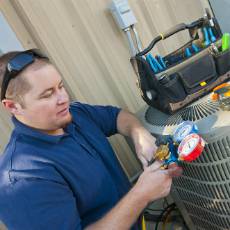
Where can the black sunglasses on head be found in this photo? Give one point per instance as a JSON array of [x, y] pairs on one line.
[[17, 64]]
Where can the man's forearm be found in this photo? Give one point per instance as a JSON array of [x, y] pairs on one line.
[[128, 124], [144, 142], [124, 214]]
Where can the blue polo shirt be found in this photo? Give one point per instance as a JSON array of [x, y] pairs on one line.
[[63, 182]]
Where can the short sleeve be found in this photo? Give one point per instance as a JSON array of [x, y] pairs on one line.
[[42, 204], [105, 117]]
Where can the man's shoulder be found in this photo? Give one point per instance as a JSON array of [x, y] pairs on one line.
[[81, 110], [18, 143], [100, 116], [80, 107], [92, 110], [8, 150], [6, 160], [22, 158], [19, 165]]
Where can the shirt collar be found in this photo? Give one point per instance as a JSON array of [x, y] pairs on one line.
[[21, 128]]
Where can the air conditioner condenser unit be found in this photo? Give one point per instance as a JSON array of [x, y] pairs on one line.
[[202, 193]]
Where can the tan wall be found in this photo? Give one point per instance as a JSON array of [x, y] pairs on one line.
[[82, 39]]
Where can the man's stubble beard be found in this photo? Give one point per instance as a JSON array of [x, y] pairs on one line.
[[65, 123]]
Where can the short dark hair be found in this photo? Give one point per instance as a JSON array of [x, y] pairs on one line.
[[19, 85]]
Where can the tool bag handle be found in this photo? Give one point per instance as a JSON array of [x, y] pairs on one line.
[[175, 29]]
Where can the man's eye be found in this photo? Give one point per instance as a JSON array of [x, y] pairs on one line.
[[47, 95]]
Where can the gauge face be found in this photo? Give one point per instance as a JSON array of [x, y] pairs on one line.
[[189, 145], [184, 131]]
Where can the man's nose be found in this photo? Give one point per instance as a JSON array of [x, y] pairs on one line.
[[62, 97]]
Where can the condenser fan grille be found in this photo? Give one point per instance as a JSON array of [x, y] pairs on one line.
[[196, 111]]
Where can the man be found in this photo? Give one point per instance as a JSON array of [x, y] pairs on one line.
[[58, 170]]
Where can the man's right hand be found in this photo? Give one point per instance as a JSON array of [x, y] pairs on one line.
[[154, 183]]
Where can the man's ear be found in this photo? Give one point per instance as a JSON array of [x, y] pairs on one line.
[[13, 107]]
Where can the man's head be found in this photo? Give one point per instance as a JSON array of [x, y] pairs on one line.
[[34, 91]]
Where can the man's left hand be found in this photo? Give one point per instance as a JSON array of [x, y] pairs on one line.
[[145, 145]]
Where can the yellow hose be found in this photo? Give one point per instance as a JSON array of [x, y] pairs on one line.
[[143, 223]]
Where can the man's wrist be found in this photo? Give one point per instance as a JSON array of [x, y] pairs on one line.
[[140, 196]]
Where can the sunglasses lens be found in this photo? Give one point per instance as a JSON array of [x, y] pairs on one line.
[[19, 62]]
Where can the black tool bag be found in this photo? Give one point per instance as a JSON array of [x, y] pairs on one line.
[[185, 79]]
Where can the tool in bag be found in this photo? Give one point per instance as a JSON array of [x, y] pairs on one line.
[[225, 41], [221, 93], [187, 73]]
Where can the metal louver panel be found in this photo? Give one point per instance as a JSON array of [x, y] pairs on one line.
[[204, 187]]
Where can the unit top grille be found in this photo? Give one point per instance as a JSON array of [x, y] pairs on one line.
[[196, 111]]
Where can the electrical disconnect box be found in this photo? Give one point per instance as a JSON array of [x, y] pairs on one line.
[[122, 13]]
